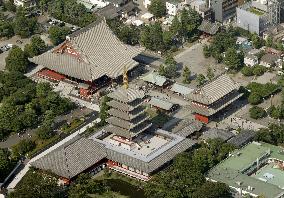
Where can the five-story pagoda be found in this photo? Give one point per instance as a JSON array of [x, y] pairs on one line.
[[127, 115]]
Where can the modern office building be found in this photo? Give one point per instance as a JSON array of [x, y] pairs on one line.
[[256, 170], [223, 10], [259, 15]]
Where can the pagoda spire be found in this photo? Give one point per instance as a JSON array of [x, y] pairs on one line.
[[125, 78]]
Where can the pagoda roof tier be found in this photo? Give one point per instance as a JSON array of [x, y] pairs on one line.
[[123, 106], [128, 133], [214, 90], [90, 53], [126, 95], [208, 111], [127, 124], [127, 115]]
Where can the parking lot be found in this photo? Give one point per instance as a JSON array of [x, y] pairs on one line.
[[14, 41], [194, 59]]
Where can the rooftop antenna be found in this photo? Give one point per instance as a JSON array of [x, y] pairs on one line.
[[125, 78]]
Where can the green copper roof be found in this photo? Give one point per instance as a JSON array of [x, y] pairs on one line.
[[239, 170]]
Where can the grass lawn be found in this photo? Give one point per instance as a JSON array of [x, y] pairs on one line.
[[40, 144], [256, 11], [67, 128], [157, 117]]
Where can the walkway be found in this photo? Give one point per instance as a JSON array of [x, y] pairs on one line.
[[173, 98], [22, 173]]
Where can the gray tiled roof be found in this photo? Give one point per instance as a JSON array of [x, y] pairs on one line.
[[126, 115], [126, 95], [123, 106], [189, 128], [70, 160], [214, 90], [242, 138], [160, 103], [128, 133], [127, 124], [233, 96], [269, 58], [75, 157], [217, 133], [209, 27], [100, 51], [155, 163]]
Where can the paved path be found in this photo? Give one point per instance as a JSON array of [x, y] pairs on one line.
[[171, 98], [22, 173]]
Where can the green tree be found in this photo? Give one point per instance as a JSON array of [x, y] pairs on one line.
[[186, 75], [201, 80], [70, 11], [129, 34], [9, 5], [6, 29], [45, 132], [259, 70], [210, 74], [24, 26], [17, 60], [162, 70], [256, 41], [275, 112], [171, 66], [36, 184], [104, 110], [85, 185], [233, 59], [36, 47], [175, 27], [254, 98], [5, 163], [23, 147], [58, 34], [42, 90], [269, 41], [206, 51], [158, 8], [247, 71], [256, 112], [213, 190], [152, 37]]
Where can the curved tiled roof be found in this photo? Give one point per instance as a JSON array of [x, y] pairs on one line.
[[100, 51], [214, 90], [126, 95], [70, 160]]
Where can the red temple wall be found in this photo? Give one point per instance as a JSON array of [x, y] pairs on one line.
[[202, 118]]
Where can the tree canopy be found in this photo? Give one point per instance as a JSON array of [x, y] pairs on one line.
[[256, 112], [17, 60], [37, 184], [233, 59], [169, 69], [58, 34], [6, 164], [24, 26], [158, 8], [68, 11], [185, 177], [25, 104], [36, 47], [274, 134]]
